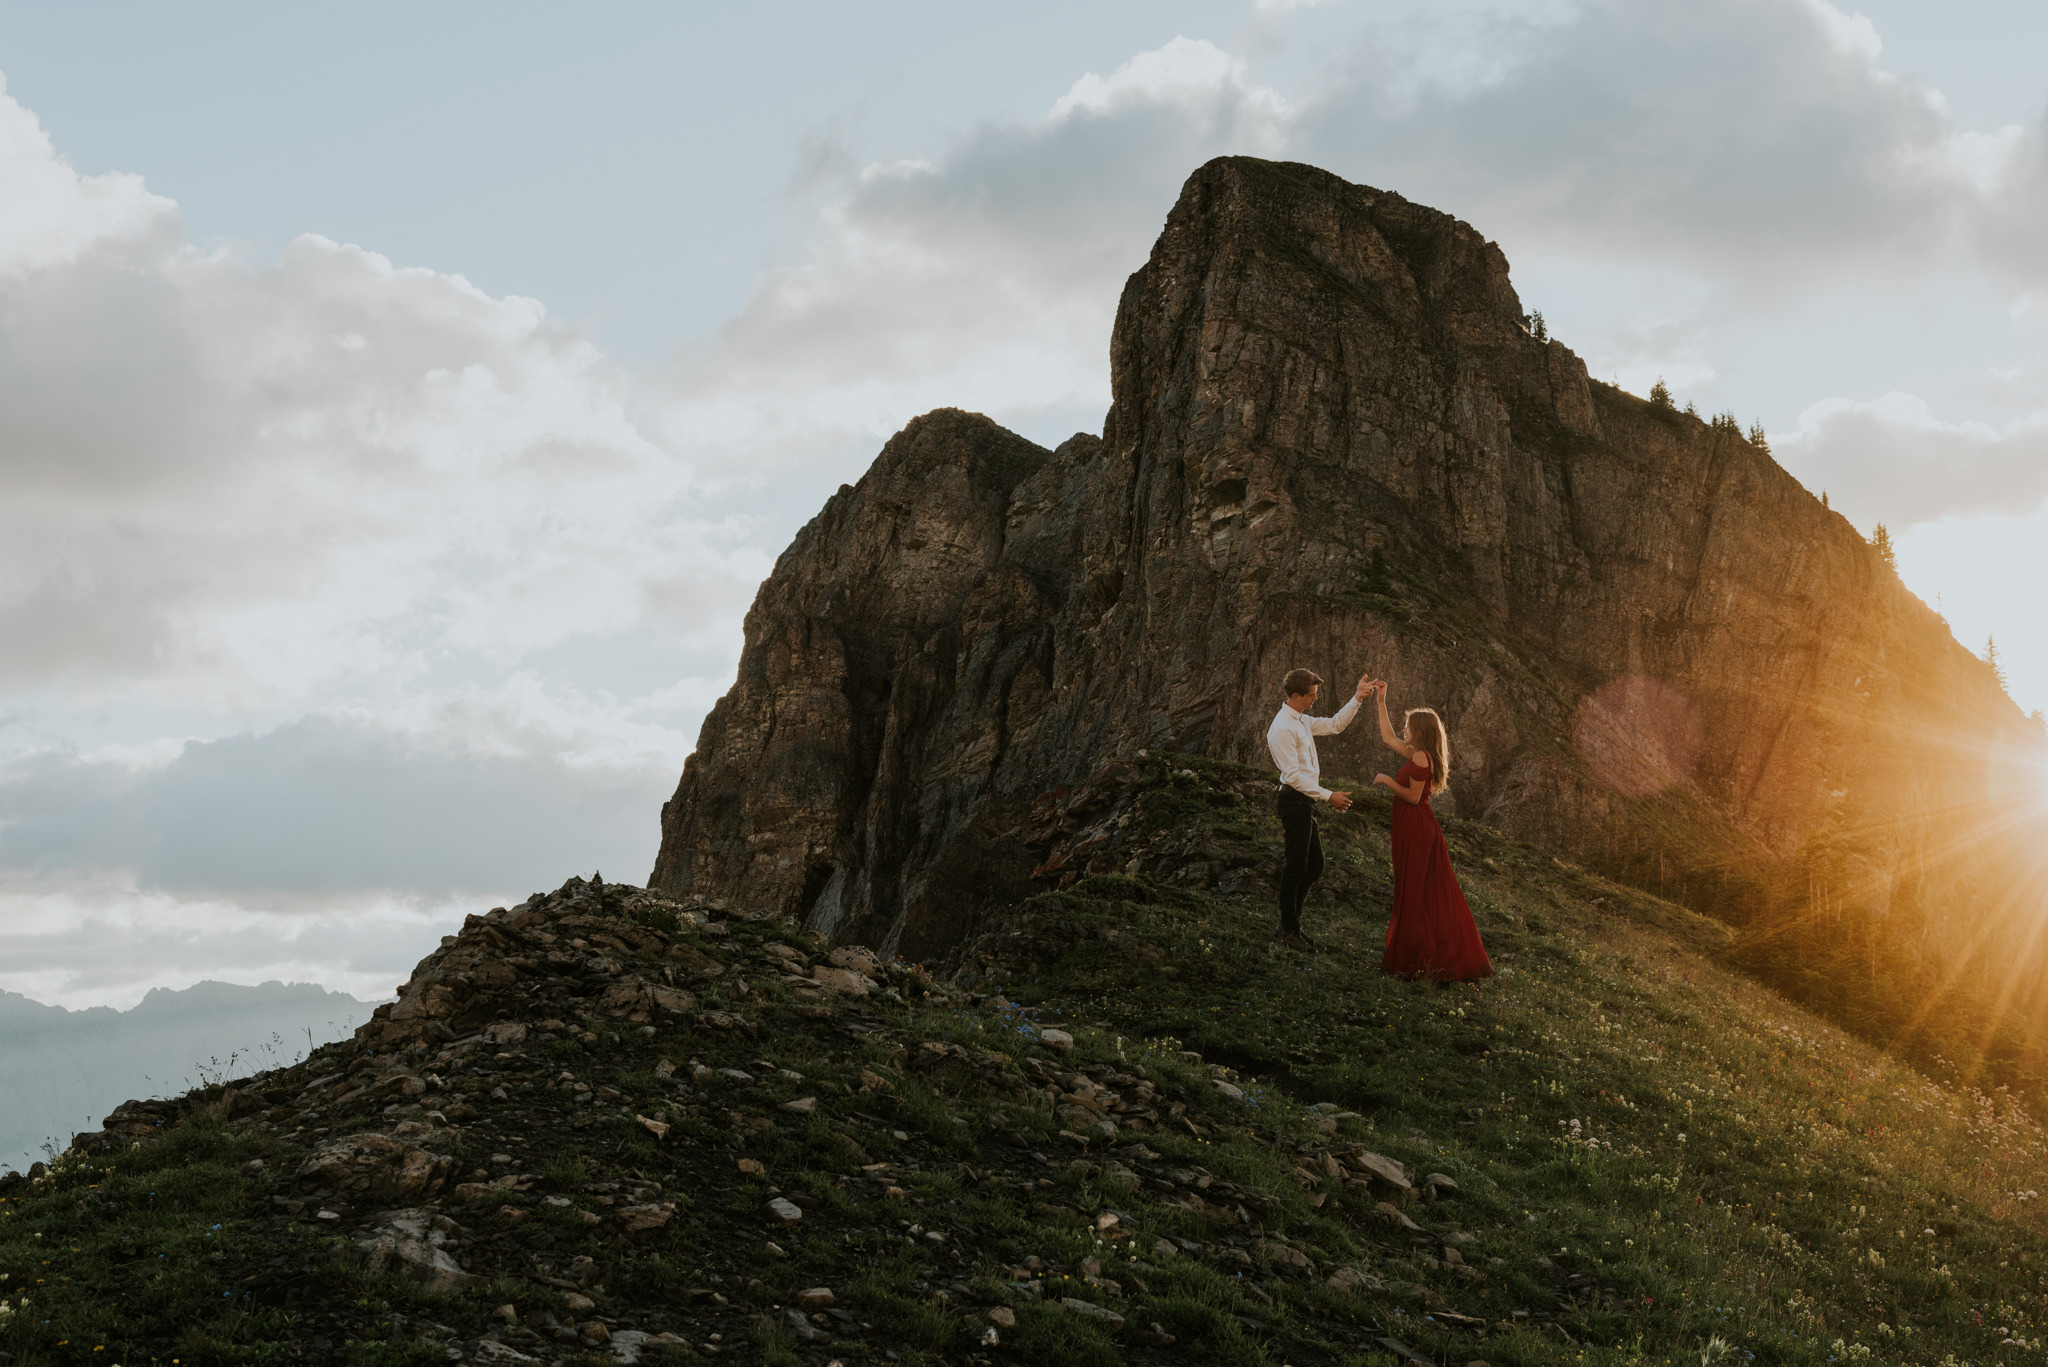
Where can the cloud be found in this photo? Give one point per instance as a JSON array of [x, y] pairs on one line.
[[249, 486], [2012, 167], [327, 807], [50, 215], [106, 941], [1891, 460], [1755, 138], [984, 277]]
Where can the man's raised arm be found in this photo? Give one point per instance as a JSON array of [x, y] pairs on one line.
[[1330, 726]]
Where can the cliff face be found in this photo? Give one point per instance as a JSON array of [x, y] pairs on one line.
[[1333, 443]]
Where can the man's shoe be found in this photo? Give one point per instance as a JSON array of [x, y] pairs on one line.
[[1294, 939]]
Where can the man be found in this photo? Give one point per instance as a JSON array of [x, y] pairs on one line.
[[1292, 741]]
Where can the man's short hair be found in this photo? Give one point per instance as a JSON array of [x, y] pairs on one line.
[[1299, 681]]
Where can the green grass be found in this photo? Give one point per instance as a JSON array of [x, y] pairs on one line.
[[1713, 1159], [1653, 1151]]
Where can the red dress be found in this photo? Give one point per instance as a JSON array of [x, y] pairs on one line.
[[1431, 933]]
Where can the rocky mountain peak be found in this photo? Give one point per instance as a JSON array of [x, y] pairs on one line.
[[1333, 443]]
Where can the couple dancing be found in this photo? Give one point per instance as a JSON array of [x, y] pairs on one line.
[[1431, 933]]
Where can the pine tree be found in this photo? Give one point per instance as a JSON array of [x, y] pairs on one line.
[[1763, 444], [1991, 658], [1690, 411], [1881, 542], [1660, 397], [1538, 328], [1823, 498]]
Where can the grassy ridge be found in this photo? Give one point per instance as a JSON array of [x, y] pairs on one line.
[[1718, 1161], [1655, 1159]]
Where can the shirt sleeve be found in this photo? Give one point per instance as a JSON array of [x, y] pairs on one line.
[[1289, 750], [1330, 726]]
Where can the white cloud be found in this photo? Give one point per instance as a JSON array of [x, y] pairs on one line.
[[1891, 460], [985, 277], [246, 487], [106, 941], [1189, 72], [1852, 34], [334, 807], [50, 215], [1757, 139]]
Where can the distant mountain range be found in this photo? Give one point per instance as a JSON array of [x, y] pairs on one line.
[[61, 1071]]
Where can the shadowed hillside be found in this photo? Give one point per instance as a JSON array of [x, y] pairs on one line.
[[607, 1125]]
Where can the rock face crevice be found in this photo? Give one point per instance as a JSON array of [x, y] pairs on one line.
[[1333, 443]]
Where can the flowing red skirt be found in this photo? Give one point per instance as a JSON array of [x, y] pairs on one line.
[[1431, 933]]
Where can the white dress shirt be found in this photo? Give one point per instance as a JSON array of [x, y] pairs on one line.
[[1292, 740]]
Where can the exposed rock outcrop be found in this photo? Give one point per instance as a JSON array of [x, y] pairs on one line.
[[1333, 443]]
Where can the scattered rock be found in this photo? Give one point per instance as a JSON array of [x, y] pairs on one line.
[[1056, 1039], [856, 959], [1382, 1168], [814, 1298], [1391, 1213], [645, 1219], [374, 1168], [805, 1331], [1350, 1281], [410, 1242], [1088, 1310], [844, 981], [785, 1210], [1283, 1255]]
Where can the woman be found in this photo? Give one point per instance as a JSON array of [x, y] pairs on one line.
[[1431, 933]]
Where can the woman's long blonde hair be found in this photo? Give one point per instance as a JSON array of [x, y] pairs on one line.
[[1426, 731]]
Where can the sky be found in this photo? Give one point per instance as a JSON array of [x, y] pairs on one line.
[[399, 405]]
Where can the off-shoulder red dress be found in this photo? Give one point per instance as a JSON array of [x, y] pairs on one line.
[[1431, 933]]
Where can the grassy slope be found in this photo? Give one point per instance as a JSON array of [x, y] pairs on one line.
[[1653, 1153], [1718, 1160]]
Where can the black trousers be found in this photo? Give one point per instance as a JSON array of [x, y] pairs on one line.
[[1304, 862]]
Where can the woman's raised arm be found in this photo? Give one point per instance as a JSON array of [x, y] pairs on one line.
[[1394, 742]]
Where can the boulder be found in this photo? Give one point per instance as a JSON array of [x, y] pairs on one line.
[[410, 1242], [1349, 1281], [374, 1169]]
